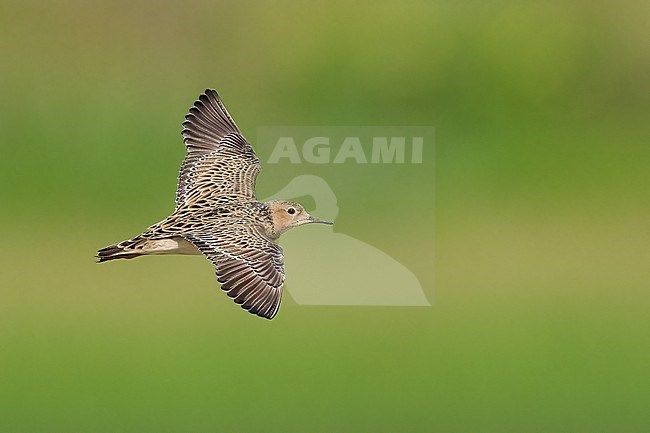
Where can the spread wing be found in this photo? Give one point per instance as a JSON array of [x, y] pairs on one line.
[[220, 165], [250, 267]]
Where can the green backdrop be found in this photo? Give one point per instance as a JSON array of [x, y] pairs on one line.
[[527, 225]]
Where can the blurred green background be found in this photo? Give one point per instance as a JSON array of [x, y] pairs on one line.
[[533, 247]]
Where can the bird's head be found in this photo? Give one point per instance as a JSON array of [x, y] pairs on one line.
[[288, 214]]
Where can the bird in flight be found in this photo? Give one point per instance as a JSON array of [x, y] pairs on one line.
[[217, 214]]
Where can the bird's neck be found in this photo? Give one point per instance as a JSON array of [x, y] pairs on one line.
[[264, 216]]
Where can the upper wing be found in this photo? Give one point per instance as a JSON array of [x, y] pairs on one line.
[[220, 165], [250, 267]]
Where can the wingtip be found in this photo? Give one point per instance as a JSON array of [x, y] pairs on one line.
[[266, 313], [262, 315], [211, 92]]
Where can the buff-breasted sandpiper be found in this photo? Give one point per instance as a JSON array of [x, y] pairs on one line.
[[217, 214]]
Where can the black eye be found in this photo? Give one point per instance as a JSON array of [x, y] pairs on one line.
[[291, 211]]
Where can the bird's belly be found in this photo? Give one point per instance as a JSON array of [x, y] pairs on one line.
[[174, 245]]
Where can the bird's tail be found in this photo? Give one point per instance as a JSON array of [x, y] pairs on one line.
[[122, 250]]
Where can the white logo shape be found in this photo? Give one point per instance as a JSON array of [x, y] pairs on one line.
[[328, 268]]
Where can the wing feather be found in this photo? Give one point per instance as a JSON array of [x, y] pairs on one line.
[[249, 266], [220, 165]]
